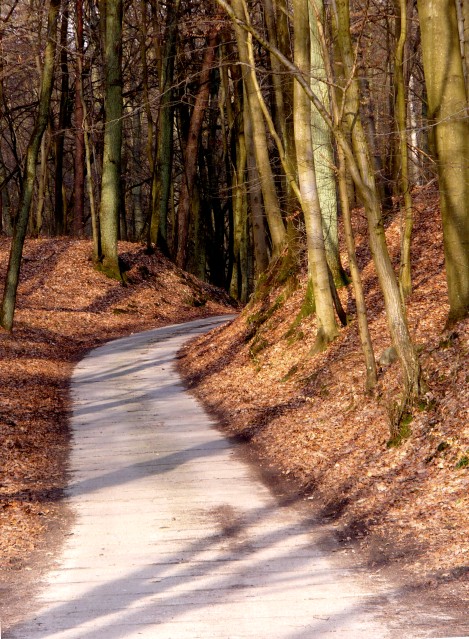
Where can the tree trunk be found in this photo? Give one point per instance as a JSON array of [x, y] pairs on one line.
[[362, 170], [322, 145], [47, 81], [63, 120], [191, 152], [317, 262], [239, 214], [137, 213], [79, 157], [261, 256], [363, 329], [37, 218], [161, 179], [447, 110], [405, 274], [271, 203], [112, 153]]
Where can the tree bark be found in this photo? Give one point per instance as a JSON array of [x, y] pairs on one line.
[[112, 153], [447, 110], [37, 217], [322, 145], [317, 262]]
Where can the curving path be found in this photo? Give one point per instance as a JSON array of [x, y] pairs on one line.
[[174, 538]]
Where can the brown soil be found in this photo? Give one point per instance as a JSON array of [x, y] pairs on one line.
[[310, 424], [65, 308]]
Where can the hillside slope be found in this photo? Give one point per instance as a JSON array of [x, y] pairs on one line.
[[65, 308], [309, 420]]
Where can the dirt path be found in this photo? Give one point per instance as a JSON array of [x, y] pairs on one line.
[[174, 537]]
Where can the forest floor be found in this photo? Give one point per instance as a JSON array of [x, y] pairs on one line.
[[317, 433], [65, 308], [306, 419]]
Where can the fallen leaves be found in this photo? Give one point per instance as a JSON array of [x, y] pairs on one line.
[[310, 419]]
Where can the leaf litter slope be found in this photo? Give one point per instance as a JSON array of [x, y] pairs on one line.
[[65, 308], [403, 508]]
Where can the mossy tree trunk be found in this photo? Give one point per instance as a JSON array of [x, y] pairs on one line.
[[29, 174], [317, 262], [323, 150], [109, 211], [447, 110]]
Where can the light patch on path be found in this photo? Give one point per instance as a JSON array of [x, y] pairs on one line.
[[173, 537]]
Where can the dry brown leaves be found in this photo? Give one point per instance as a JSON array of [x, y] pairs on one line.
[[310, 419]]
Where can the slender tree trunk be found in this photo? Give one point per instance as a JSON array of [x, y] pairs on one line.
[[5, 202], [89, 185], [112, 153], [447, 110], [363, 329], [239, 214], [282, 89], [38, 218], [146, 91], [364, 177], [191, 152], [284, 40], [317, 262], [137, 216], [12, 278], [161, 180], [405, 275], [261, 257], [63, 119], [271, 203], [87, 156], [79, 156], [415, 118]]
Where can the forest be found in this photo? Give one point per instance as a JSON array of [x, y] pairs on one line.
[[234, 137], [308, 157]]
